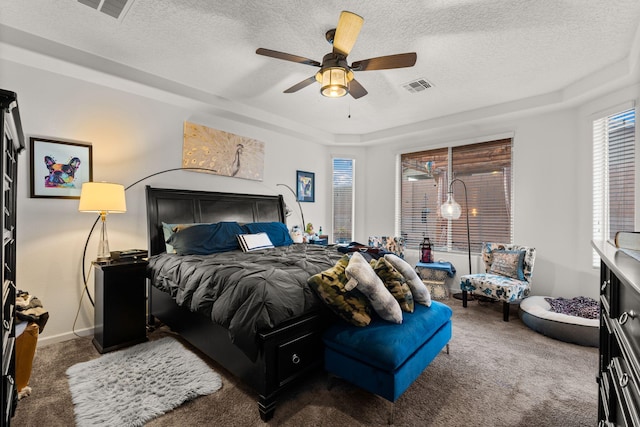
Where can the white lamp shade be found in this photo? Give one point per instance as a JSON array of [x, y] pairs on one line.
[[334, 82], [102, 197], [450, 209]]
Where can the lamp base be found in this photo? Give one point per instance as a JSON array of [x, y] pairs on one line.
[[103, 259], [103, 245]]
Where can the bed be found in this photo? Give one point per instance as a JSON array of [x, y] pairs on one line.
[[267, 351]]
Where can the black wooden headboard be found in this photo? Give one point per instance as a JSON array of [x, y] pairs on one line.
[[175, 206]]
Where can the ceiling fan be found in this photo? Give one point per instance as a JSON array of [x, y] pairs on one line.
[[335, 75]]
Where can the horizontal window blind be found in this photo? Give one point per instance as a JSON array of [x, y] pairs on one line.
[[485, 169], [621, 158], [343, 170], [613, 176], [600, 184], [424, 180]]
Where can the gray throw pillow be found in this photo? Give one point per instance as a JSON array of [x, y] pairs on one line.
[[419, 290], [368, 282]]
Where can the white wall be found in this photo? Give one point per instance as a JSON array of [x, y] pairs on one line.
[[132, 136], [552, 190]]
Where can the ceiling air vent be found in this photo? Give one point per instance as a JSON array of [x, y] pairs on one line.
[[114, 8], [418, 85]]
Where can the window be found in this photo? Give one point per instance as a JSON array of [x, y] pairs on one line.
[[485, 171], [343, 170], [613, 175]]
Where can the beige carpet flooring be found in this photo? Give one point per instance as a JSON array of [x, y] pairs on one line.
[[497, 374]]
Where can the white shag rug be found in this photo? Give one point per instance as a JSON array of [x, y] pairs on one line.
[[132, 386]]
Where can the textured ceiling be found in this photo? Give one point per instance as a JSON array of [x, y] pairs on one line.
[[476, 53]]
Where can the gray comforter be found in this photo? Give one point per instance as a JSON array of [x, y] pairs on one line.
[[244, 292]]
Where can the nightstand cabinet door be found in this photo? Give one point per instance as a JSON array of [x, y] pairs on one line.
[[120, 311]]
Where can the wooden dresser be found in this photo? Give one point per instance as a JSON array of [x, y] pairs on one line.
[[619, 365]]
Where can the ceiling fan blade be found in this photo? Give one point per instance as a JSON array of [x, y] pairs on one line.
[[287, 57], [347, 31], [296, 87], [400, 60], [356, 90]]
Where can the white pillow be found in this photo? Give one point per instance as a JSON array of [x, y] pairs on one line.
[[419, 290], [368, 282], [254, 242]]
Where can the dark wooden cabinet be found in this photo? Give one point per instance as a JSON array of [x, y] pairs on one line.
[[619, 364], [120, 311], [12, 145]]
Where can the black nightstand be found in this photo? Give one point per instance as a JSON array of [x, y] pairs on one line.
[[120, 311]]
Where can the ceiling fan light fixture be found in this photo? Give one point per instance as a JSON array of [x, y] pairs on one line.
[[335, 82], [336, 75]]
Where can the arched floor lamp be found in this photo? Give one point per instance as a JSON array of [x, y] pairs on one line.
[[304, 224], [84, 252], [103, 251], [452, 210]]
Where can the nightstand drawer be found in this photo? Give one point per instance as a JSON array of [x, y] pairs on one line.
[[297, 355]]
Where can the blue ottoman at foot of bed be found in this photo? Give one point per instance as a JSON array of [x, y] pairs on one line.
[[535, 312], [385, 358]]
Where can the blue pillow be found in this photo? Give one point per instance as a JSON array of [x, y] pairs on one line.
[[204, 239], [277, 232], [169, 229]]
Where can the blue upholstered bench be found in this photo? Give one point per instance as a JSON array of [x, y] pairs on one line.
[[385, 358]]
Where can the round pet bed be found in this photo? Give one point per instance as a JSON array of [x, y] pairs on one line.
[[536, 313]]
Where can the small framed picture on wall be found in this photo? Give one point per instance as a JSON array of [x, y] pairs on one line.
[[306, 186], [59, 168]]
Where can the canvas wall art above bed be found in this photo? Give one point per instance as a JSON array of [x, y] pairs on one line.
[[221, 152]]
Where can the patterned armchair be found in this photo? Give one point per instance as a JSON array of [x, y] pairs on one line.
[[394, 244], [507, 275]]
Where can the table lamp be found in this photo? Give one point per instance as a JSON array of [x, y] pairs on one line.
[[103, 198]]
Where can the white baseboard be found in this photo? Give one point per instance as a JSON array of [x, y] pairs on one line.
[[42, 342]]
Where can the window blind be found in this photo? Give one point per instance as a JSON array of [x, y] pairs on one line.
[[613, 176], [600, 182], [424, 177], [342, 187], [621, 158], [485, 169]]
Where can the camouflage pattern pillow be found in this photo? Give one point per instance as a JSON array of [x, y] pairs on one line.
[[329, 285], [395, 283]]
